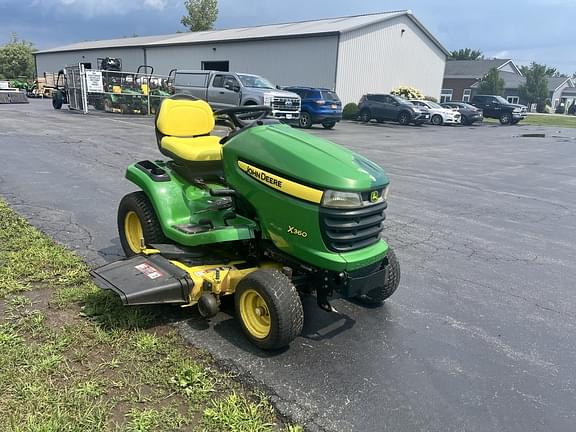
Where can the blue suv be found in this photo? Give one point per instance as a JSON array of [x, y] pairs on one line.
[[319, 105]]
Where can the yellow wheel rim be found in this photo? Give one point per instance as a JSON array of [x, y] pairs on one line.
[[134, 232], [255, 314]]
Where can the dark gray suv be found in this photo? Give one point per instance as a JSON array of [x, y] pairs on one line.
[[388, 107]]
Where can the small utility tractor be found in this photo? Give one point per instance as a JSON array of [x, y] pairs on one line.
[[261, 214]]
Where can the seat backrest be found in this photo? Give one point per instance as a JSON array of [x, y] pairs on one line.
[[184, 118]]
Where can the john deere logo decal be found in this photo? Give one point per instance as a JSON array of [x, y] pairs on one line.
[[374, 196]]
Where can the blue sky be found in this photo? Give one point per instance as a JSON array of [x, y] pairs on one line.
[[524, 30]]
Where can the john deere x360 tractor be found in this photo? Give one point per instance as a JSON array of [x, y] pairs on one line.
[[261, 214]]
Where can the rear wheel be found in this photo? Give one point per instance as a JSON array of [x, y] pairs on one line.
[[57, 99], [381, 293], [404, 118], [437, 120], [269, 309], [138, 225], [505, 119], [329, 125], [365, 116], [305, 120]]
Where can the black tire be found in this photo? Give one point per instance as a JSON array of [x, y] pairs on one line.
[[515, 121], [139, 203], [108, 107], [285, 310], [57, 100], [305, 120], [380, 120], [329, 125], [464, 120], [381, 293], [437, 120], [404, 118], [365, 116], [505, 119]]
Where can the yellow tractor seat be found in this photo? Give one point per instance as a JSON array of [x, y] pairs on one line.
[[199, 149], [183, 126]]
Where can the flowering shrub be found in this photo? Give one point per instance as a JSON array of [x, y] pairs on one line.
[[407, 92]]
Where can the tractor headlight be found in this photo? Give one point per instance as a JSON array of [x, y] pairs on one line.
[[385, 193], [336, 199]]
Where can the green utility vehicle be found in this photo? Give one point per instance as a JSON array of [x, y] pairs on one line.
[[261, 214]]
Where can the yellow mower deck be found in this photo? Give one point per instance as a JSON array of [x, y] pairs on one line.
[[150, 278]]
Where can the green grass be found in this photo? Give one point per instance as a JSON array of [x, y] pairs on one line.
[[555, 120], [550, 120], [89, 364]]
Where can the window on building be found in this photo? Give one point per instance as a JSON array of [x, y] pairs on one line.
[[446, 95], [513, 99], [466, 95], [220, 66]]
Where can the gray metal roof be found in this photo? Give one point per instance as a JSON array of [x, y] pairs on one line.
[[471, 68], [273, 31], [514, 81]]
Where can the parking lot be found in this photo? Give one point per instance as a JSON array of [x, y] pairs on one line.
[[480, 335]]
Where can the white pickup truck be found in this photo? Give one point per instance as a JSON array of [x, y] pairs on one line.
[[227, 89]]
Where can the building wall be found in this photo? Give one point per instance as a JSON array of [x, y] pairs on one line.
[[380, 57], [458, 85], [53, 62], [298, 61]]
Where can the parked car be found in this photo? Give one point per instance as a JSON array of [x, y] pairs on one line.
[[499, 108], [438, 114], [227, 89], [388, 107], [469, 113], [319, 106]]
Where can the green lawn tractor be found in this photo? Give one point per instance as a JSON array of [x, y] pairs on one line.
[[262, 214]]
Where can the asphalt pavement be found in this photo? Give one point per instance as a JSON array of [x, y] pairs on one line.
[[480, 336]]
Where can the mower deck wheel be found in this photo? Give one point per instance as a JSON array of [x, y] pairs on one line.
[[137, 224], [269, 309], [381, 293]]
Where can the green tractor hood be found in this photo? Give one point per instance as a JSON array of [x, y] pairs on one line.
[[308, 159]]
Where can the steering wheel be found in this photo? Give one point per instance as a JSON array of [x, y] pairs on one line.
[[234, 114]]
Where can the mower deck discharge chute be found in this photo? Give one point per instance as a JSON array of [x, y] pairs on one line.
[[261, 214]]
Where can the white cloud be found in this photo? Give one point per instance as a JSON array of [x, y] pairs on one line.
[[90, 8]]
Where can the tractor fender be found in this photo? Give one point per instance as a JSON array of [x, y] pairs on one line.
[[173, 210]]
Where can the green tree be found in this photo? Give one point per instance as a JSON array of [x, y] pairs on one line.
[[550, 71], [201, 14], [466, 54], [16, 59], [492, 83], [535, 90]]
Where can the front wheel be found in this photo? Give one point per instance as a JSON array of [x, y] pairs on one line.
[[305, 120], [138, 225], [329, 125], [381, 293], [269, 309], [437, 120], [404, 118], [505, 119]]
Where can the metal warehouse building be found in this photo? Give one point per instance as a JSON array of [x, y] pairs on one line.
[[353, 55]]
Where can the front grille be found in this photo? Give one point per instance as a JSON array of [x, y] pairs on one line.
[[286, 104], [345, 230]]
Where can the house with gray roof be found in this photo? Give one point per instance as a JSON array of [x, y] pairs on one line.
[[462, 81], [559, 90], [461, 75]]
